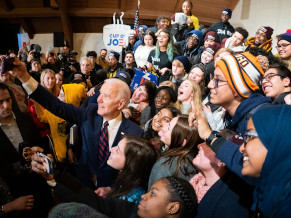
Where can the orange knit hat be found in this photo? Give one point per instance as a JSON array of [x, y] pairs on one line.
[[243, 73]]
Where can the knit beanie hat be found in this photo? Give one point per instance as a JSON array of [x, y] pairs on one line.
[[285, 36], [268, 30], [212, 49], [211, 35], [184, 60], [115, 54], [243, 73], [227, 11]]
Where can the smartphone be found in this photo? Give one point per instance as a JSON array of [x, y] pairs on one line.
[[50, 48], [49, 163], [23, 44], [7, 65]]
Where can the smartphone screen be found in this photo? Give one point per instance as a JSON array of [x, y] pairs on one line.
[[23, 44]]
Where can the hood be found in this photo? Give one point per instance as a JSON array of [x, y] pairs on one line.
[[199, 34], [74, 93], [145, 29], [248, 104]]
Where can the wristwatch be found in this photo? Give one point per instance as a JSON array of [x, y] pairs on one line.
[[214, 134]]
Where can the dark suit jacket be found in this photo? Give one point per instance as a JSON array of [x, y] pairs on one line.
[[90, 124], [229, 197]]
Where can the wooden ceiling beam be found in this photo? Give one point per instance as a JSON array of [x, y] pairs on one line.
[[29, 12], [6, 4], [177, 6], [122, 5], [66, 22]]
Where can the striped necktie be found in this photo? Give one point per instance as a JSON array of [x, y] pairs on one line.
[[103, 145]]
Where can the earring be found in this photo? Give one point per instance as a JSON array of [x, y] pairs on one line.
[[169, 212]]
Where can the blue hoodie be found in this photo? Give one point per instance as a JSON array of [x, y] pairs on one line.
[[182, 46], [139, 42]]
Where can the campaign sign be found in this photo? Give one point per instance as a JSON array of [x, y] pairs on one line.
[[140, 77], [115, 36]]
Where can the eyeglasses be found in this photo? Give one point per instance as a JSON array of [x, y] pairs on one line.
[[283, 46], [270, 76], [216, 81], [249, 136]]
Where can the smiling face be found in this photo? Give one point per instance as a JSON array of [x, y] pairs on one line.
[[166, 131], [117, 155], [140, 95], [162, 99], [49, 81], [276, 85], [185, 92], [206, 57], [209, 42], [155, 203], [163, 117], [196, 74], [260, 37], [109, 103], [223, 95], [163, 24], [59, 80], [191, 42], [148, 40], [284, 52], [254, 154], [163, 39]]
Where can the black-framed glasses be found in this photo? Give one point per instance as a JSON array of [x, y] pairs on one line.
[[249, 136], [283, 46], [216, 81], [270, 76]]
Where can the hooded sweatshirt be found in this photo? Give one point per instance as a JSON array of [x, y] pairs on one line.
[[182, 46], [74, 94], [139, 41]]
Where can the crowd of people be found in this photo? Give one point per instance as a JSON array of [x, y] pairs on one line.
[[204, 134]]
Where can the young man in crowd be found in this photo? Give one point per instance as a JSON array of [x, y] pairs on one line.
[[236, 80], [276, 83], [262, 39], [101, 59], [114, 64], [223, 28], [236, 41], [284, 48], [93, 55]]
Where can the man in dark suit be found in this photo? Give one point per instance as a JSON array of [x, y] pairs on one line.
[[114, 96], [18, 128]]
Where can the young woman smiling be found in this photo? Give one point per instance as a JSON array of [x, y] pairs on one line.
[[187, 92], [181, 142]]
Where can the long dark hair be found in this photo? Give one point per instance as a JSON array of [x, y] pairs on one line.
[[182, 131], [152, 34], [140, 157]]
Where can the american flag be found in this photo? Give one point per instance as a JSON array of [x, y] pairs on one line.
[[136, 16]]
